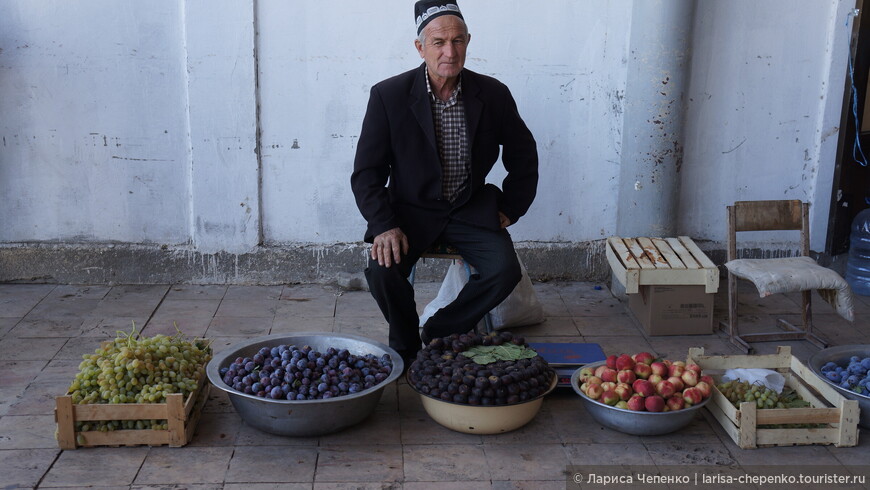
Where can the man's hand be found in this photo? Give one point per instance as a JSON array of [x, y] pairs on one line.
[[503, 220], [389, 246]]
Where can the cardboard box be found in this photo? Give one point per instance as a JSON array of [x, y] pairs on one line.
[[673, 310]]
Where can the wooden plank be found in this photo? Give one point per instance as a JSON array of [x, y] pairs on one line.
[[175, 419], [126, 411], [66, 424], [639, 254], [699, 255], [848, 428], [772, 416], [686, 256], [748, 425], [668, 252], [727, 424], [652, 253], [145, 437], [794, 436], [615, 251], [824, 389], [622, 253], [804, 393]]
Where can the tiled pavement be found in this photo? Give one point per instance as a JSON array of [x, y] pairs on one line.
[[44, 330]]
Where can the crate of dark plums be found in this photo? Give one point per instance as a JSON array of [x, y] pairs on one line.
[[825, 416], [168, 423]]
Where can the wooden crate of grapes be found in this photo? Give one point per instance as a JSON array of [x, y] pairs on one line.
[[828, 418], [135, 391]]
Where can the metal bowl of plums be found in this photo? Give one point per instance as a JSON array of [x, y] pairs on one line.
[[305, 384], [642, 410], [481, 384], [847, 369]]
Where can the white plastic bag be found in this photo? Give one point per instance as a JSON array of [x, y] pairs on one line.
[[766, 377], [521, 308]]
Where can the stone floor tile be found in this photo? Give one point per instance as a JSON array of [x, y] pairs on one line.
[[389, 401], [300, 324], [359, 485], [78, 292], [620, 345], [683, 453], [66, 326], [16, 300], [253, 293], [250, 436], [194, 291], [445, 462], [247, 327], [267, 486], [529, 485], [307, 301], [27, 432], [552, 326], [262, 307], [24, 468], [193, 465], [578, 427], [698, 431], [357, 304], [373, 328], [137, 292], [102, 327], [446, 485], [608, 453], [409, 400], [785, 456], [379, 428], [540, 430], [359, 463], [272, 464], [192, 325], [526, 461], [9, 397], [216, 429], [19, 374], [418, 428], [84, 467], [676, 347], [7, 324], [19, 349], [218, 402], [77, 347], [621, 325], [189, 308], [139, 308], [178, 486]]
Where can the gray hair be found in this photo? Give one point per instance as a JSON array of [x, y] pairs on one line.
[[422, 36]]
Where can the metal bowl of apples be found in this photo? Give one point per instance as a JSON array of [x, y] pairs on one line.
[[651, 419]]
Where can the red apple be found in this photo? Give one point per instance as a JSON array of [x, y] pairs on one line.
[[654, 379], [600, 369], [689, 377], [665, 389], [654, 403], [608, 385], [705, 389], [643, 387], [610, 397], [624, 362], [694, 367], [636, 403], [594, 380], [676, 370], [624, 391], [626, 376], [643, 357], [667, 362], [692, 396], [594, 391], [677, 382], [585, 374], [642, 370], [679, 363], [659, 368], [676, 403], [611, 361], [608, 375], [707, 379], [622, 404]]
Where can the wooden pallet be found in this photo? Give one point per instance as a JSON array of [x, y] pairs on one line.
[[647, 261], [182, 414], [839, 414]]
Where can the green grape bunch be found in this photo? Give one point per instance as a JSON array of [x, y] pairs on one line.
[[135, 369], [738, 392]]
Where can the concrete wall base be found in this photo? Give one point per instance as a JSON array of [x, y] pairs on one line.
[[90, 263]]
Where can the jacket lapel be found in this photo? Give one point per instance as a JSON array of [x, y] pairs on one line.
[[473, 105], [421, 107]]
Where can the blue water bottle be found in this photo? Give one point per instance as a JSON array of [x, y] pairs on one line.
[[858, 264]]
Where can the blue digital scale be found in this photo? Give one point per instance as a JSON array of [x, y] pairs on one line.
[[565, 358]]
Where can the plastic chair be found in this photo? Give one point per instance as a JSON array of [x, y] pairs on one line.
[[445, 251], [746, 216]]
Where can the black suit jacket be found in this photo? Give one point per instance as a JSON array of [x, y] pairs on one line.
[[396, 177]]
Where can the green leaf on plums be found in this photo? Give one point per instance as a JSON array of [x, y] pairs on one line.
[[487, 354]]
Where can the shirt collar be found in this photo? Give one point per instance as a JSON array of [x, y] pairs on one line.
[[455, 93]]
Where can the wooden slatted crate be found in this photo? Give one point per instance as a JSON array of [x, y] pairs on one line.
[[838, 414], [181, 413], [647, 261]]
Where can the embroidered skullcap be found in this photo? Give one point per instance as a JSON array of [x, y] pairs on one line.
[[426, 10]]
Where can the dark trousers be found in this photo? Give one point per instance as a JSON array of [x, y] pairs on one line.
[[492, 255]]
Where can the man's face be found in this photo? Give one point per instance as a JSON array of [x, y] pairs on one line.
[[446, 41]]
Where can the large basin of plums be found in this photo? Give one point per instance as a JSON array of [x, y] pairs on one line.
[[480, 414], [841, 356], [305, 418]]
